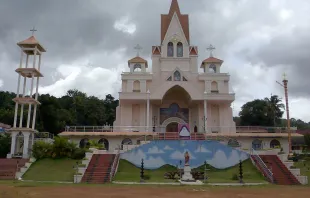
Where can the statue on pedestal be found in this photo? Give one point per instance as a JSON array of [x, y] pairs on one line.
[[187, 157]]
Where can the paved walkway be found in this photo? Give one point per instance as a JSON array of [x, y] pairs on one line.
[[176, 183]]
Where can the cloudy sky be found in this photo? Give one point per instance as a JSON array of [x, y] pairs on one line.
[[89, 42]]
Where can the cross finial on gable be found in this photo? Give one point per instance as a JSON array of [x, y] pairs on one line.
[[211, 48], [138, 48], [284, 76], [33, 30]]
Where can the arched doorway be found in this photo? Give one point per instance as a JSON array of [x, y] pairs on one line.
[[19, 146], [126, 141], [275, 144], [257, 144], [84, 143], [105, 142], [172, 127], [233, 143]]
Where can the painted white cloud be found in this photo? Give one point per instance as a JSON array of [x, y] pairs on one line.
[[221, 161], [202, 149], [168, 148], [155, 150], [134, 156], [177, 155], [153, 162], [184, 132]]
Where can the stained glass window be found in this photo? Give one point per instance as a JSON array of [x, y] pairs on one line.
[[177, 76], [180, 49], [170, 49]]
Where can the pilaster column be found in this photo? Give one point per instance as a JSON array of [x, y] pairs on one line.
[[205, 107], [13, 144], [148, 111], [26, 145]]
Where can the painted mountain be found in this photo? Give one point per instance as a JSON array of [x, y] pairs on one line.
[[159, 153]]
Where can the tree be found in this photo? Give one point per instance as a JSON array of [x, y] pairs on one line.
[[5, 144], [307, 139], [267, 112]]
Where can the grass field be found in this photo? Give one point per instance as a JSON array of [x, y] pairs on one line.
[[304, 167], [51, 170], [130, 173]]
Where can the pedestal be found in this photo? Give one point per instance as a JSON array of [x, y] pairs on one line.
[[187, 176]]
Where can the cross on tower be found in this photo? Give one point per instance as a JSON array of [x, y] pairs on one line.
[[211, 48], [33, 30], [138, 48]]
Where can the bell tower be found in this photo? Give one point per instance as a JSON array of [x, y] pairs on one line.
[[22, 132]]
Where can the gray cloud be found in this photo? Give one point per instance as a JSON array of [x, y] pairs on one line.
[[76, 30]]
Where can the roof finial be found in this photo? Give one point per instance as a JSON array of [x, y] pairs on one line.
[[33, 30], [211, 48], [138, 48]]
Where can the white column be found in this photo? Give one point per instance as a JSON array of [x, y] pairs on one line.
[[13, 144], [29, 109], [205, 107], [148, 110], [18, 87], [24, 89], [26, 144]]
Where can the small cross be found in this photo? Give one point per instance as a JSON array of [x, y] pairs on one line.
[[33, 30], [211, 48], [284, 76], [138, 48]]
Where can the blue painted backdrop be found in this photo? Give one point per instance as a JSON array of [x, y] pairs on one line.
[[159, 153]]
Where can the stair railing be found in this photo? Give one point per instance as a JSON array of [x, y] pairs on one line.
[[266, 171], [114, 165]]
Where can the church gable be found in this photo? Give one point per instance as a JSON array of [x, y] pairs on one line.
[[175, 31], [166, 21], [177, 75]]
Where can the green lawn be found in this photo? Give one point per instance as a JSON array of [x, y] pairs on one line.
[[51, 170], [304, 167], [130, 173]]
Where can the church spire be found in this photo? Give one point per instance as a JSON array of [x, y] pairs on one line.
[[174, 7], [167, 18]]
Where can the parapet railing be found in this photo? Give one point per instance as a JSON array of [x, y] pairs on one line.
[[162, 129], [266, 171]]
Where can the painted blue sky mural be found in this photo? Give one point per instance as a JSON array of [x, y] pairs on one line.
[[159, 153]]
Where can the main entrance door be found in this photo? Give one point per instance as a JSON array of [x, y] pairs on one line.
[[172, 127]]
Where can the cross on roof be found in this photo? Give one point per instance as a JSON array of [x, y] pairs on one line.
[[284, 76], [138, 48], [33, 30], [211, 48]]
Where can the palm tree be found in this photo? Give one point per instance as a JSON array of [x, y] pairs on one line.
[[274, 108]]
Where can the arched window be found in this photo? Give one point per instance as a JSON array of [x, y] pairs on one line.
[[170, 49], [105, 143], [177, 76], [180, 49], [212, 68], [257, 144], [233, 143], [137, 67], [214, 87], [136, 86], [275, 144]]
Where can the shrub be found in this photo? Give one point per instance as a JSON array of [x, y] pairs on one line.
[[41, 149], [235, 177], [78, 153]]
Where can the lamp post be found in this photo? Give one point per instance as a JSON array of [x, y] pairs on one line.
[[284, 85], [148, 111]]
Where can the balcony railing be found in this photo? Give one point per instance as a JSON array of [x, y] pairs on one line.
[[161, 129]]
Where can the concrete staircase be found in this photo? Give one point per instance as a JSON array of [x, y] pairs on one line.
[[281, 174], [99, 169], [9, 168]]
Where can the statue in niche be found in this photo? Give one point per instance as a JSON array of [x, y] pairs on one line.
[[187, 157]]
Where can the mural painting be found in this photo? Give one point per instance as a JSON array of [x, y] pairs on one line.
[[174, 111], [184, 131], [159, 153]]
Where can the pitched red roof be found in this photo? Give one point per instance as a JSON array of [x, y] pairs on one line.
[[31, 41], [156, 50], [137, 59], [212, 60], [166, 19], [193, 50]]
